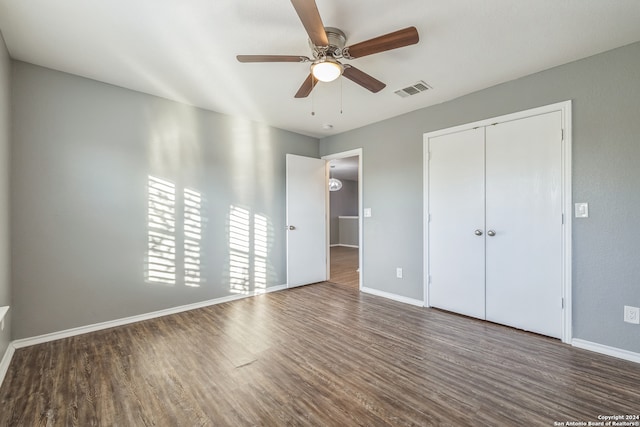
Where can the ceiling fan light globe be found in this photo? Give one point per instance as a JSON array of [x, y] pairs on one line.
[[326, 71]]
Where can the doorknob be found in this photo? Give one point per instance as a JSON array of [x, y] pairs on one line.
[[289, 227], [478, 232], [491, 233]]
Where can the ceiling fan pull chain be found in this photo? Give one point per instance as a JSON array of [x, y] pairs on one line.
[[341, 80], [313, 98]]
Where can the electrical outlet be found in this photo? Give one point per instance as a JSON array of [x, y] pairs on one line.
[[632, 314], [399, 273]]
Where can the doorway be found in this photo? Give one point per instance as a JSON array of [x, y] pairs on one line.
[[345, 219]]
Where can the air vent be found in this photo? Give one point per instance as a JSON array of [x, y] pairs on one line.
[[414, 89]]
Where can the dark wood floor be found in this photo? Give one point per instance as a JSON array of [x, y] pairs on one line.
[[322, 355], [344, 266]]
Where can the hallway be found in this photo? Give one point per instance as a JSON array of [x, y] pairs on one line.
[[344, 266]]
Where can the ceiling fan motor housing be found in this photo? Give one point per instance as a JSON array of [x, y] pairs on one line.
[[337, 40]]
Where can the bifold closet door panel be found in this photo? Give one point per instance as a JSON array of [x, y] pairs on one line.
[[524, 224], [456, 205]]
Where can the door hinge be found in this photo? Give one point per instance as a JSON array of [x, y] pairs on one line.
[[563, 219], [562, 302], [429, 220], [429, 278], [561, 135], [428, 155]]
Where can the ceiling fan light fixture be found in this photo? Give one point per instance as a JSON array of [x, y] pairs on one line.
[[327, 70]]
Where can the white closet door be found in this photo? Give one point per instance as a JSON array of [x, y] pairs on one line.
[[456, 205], [523, 208]]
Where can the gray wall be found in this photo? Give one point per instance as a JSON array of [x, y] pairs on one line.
[[605, 90], [342, 203], [81, 158], [5, 134], [348, 231]]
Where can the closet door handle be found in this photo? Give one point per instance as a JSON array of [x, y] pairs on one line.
[[491, 233], [478, 232]]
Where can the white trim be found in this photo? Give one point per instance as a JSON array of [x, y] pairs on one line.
[[558, 106], [347, 217], [565, 109], [605, 349], [425, 220], [567, 185], [394, 297], [344, 246], [343, 155], [6, 361], [26, 342]]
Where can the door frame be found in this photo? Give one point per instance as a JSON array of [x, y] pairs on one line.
[[342, 155], [566, 186]]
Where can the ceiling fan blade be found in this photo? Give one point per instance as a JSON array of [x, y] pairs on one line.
[[272, 58], [400, 38], [306, 87], [308, 12], [363, 79]]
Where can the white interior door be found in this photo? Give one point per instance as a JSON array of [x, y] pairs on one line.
[[456, 224], [524, 224], [307, 190]]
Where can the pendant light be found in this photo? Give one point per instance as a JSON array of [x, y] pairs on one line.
[[334, 184]]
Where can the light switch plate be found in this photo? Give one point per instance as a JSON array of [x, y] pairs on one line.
[[367, 212], [582, 210], [632, 314]]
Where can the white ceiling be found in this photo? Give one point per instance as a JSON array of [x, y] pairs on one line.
[[185, 50]]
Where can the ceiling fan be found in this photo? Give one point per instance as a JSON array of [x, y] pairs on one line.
[[328, 46]]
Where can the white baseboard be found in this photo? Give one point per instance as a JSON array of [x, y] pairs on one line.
[[6, 361], [394, 297], [605, 349], [344, 246], [25, 342]]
